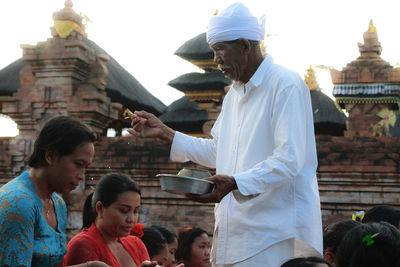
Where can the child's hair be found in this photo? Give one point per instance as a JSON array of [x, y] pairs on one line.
[[334, 233], [305, 262], [186, 237], [370, 245], [154, 241], [383, 213], [169, 236]]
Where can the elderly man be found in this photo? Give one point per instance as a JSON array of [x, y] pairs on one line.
[[263, 149]]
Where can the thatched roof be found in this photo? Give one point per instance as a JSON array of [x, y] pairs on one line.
[[325, 110], [196, 48], [120, 86], [328, 119], [195, 81], [9, 77], [184, 115]]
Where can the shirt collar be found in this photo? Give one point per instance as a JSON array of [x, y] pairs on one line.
[[256, 79]]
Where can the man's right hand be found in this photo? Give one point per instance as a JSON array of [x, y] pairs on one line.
[[146, 125]]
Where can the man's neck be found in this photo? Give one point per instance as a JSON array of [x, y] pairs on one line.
[[252, 66]]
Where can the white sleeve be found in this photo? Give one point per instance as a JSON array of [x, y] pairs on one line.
[[289, 122], [198, 150]]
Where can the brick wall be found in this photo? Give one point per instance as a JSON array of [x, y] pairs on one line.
[[353, 174], [357, 173]]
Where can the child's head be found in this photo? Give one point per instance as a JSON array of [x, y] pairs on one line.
[[172, 240], [156, 245], [383, 213], [333, 235], [307, 262], [370, 245], [193, 247]]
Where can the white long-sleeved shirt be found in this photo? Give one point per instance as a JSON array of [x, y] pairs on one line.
[[264, 137]]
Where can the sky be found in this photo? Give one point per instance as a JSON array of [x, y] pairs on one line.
[[143, 35]]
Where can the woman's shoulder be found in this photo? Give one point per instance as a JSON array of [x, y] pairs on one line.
[[89, 237], [18, 192]]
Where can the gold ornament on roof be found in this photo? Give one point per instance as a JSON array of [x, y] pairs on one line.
[[371, 27], [310, 79], [67, 20]]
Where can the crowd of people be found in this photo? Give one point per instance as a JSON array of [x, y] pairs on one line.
[[267, 206], [32, 231]]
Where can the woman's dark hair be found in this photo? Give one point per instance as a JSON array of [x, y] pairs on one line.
[[154, 241], [334, 233], [305, 262], [169, 236], [186, 237], [88, 214], [107, 191], [370, 245], [383, 213], [111, 186], [61, 135]]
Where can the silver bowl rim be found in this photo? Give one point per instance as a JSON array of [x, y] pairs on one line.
[[185, 177]]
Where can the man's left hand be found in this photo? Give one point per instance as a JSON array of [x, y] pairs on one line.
[[223, 185]]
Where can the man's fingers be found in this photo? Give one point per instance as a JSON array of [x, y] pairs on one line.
[[143, 114], [207, 198]]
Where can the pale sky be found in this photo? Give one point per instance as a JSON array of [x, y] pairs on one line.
[[143, 35]]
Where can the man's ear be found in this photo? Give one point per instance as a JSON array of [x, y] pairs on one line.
[[246, 44]]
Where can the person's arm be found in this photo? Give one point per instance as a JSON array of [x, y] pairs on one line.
[[17, 220], [199, 150], [287, 160], [289, 122]]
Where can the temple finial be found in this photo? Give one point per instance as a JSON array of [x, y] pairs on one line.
[[68, 4], [311, 80], [371, 27], [371, 47], [67, 21]]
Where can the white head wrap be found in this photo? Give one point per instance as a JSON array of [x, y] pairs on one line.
[[233, 23]]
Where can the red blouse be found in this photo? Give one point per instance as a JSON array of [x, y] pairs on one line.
[[90, 246]]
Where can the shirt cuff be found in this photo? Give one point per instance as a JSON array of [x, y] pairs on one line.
[[178, 147], [242, 183]]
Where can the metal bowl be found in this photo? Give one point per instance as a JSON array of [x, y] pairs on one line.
[[177, 184], [196, 173]]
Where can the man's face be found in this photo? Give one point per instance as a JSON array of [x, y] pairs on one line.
[[231, 59]]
